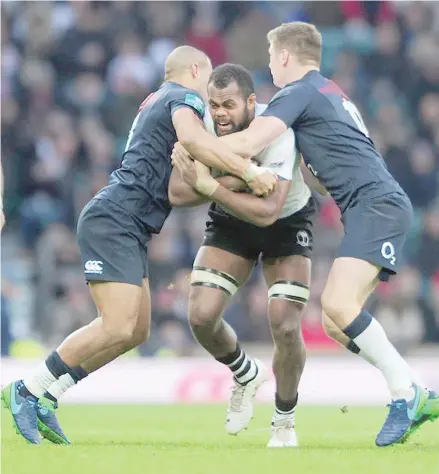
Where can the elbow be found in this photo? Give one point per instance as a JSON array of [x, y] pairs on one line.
[[267, 218], [175, 199], [266, 221], [249, 147], [187, 142]]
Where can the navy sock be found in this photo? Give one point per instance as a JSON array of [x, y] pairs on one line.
[[353, 347], [56, 365], [49, 396], [24, 392], [358, 325]]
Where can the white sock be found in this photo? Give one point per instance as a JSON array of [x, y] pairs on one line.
[[280, 415], [414, 375], [60, 386], [380, 352], [38, 383], [244, 368]]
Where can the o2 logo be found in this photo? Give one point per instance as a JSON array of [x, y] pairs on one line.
[[388, 252]]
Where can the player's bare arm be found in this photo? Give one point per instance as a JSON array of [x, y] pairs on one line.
[[259, 211], [181, 193], [260, 133], [208, 150]]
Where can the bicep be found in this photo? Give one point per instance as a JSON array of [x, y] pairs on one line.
[[187, 124], [262, 131]]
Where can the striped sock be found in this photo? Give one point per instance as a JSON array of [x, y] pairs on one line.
[[284, 408], [243, 367]]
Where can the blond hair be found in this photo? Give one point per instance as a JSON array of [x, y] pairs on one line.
[[302, 39]]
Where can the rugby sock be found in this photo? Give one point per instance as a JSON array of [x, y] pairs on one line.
[[284, 408], [356, 350], [47, 373], [66, 381], [368, 334], [243, 367]]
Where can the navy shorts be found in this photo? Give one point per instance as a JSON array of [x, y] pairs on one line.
[[376, 230], [292, 235], [112, 244]]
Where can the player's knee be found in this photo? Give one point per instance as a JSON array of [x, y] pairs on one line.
[[285, 321], [122, 332], [329, 327], [140, 335], [202, 316], [332, 305]]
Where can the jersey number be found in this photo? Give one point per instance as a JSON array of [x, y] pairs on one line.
[[133, 126], [356, 116], [130, 134]]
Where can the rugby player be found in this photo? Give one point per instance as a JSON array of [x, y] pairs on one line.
[[243, 227], [113, 231], [376, 212]]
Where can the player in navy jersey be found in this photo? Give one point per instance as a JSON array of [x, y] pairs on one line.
[[376, 212], [113, 231]]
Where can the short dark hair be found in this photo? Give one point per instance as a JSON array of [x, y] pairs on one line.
[[227, 73]]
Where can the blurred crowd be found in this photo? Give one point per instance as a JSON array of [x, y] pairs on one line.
[[73, 75]]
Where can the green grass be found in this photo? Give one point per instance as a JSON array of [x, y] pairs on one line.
[[191, 439]]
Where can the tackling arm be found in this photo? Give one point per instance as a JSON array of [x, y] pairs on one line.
[[258, 211], [205, 147], [208, 150], [260, 133], [182, 194]]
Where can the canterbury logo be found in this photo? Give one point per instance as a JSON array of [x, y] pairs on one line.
[[93, 266]]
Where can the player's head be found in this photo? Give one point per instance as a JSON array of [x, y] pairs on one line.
[[295, 48], [231, 98], [190, 67]]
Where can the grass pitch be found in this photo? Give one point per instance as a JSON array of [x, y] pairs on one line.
[[191, 440]]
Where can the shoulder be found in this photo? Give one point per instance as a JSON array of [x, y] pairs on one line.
[[179, 96], [292, 90]]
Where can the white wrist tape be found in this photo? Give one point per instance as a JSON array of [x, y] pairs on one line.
[[252, 171], [207, 187]]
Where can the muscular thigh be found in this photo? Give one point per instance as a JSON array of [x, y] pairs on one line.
[[217, 274], [116, 302], [144, 314], [351, 281]]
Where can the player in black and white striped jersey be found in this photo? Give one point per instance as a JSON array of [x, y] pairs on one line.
[[243, 228]]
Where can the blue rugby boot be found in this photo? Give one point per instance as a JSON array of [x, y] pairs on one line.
[[430, 412], [23, 410], [401, 418], [47, 422]]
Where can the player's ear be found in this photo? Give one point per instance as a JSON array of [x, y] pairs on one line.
[[194, 70], [251, 101], [284, 56]]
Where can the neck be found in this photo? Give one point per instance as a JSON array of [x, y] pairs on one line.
[[182, 80], [299, 72]]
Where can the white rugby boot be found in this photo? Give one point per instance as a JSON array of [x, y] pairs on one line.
[[240, 410], [283, 434]]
